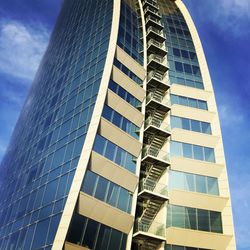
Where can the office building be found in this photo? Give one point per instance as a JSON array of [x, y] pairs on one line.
[[118, 145]]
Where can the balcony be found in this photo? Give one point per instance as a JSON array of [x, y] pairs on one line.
[[153, 190], [153, 33], [160, 103], [155, 156], [155, 230], [149, 10], [154, 22], [151, 4], [157, 127], [158, 63], [156, 48], [158, 80]]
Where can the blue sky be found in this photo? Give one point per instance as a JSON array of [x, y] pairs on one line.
[[223, 26]]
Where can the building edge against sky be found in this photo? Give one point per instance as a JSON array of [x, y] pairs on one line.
[[98, 143]]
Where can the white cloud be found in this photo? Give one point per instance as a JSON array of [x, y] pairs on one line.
[[21, 48], [228, 15]]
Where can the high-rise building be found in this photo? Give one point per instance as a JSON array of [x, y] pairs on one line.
[[118, 145]]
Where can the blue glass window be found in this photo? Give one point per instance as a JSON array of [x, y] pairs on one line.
[[193, 218], [115, 153], [186, 101], [189, 124], [120, 121], [94, 235], [124, 94], [128, 72], [192, 151]]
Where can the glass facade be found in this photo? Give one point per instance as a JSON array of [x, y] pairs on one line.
[[94, 235], [192, 151], [120, 121], [107, 191], [194, 218], [38, 168], [183, 63], [189, 124], [125, 95], [129, 30], [187, 101], [193, 183], [127, 72], [114, 153]]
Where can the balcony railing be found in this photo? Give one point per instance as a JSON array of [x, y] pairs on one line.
[[155, 20], [157, 44], [151, 121], [154, 187], [152, 10], [154, 228], [156, 97], [152, 3], [158, 59], [156, 153], [159, 32], [158, 76]]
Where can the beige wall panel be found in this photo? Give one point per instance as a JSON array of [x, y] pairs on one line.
[[128, 84], [119, 137], [71, 246], [192, 113], [196, 167], [197, 200], [97, 210], [182, 90], [113, 172], [194, 138], [199, 239], [130, 63], [125, 109]]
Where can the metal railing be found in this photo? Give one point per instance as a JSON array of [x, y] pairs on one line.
[[157, 44], [156, 97], [151, 2], [159, 76], [152, 121], [154, 187], [148, 8], [159, 59], [155, 152], [154, 228], [159, 32], [151, 18]]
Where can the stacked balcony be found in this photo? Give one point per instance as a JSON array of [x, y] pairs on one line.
[[149, 233]]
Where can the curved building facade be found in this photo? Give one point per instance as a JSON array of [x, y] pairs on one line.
[[118, 145]]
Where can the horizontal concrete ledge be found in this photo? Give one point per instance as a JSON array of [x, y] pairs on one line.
[[113, 172], [183, 90], [199, 239], [192, 113], [197, 200], [71, 246], [196, 138], [97, 210], [119, 137], [124, 108], [196, 167], [128, 84], [130, 63]]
